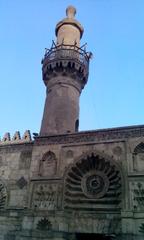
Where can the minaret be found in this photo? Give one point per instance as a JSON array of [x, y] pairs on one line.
[[65, 72]]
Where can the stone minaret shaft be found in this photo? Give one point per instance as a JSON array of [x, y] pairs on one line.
[[65, 73]]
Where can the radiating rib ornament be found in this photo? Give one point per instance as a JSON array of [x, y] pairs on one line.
[[92, 181]]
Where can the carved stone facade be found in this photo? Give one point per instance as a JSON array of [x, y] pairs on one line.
[[44, 196], [91, 182], [63, 190], [48, 165], [65, 184]]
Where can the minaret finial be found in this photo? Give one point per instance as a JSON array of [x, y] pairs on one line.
[[70, 11], [69, 28]]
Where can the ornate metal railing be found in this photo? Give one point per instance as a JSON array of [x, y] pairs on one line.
[[67, 52]]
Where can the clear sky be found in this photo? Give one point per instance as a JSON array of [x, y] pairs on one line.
[[114, 32]]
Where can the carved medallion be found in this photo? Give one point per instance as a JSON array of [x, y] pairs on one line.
[[92, 181], [95, 184]]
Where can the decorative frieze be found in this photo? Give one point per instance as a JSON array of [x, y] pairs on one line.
[[122, 133]]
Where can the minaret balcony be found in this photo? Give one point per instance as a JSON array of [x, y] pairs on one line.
[[66, 59]]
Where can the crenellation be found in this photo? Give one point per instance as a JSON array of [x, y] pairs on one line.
[[6, 138], [16, 136], [27, 136], [16, 139]]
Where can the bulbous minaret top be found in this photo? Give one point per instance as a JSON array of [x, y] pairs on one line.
[[65, 68], [69, 30]]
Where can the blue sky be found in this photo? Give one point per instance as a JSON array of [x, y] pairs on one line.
[[114, 32]]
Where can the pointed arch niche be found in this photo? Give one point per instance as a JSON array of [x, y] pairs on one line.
[[48, 165], [138, 157], [93, 182]]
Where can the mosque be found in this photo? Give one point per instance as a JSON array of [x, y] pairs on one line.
[[65, 184]]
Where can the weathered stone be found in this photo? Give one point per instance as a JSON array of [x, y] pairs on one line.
[[71, 185]]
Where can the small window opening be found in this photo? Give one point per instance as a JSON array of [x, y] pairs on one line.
[[76, 125]]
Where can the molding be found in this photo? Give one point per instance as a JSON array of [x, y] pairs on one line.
[[121, 133]]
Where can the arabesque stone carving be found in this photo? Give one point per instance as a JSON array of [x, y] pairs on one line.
[[138, 199], [44, 196]]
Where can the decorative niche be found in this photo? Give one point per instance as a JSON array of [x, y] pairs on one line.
[[92, 182], [48, 165], [138, 158]]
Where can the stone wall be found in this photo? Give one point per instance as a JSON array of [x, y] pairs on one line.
[[52, 189]]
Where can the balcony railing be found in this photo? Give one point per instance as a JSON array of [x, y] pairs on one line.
[[67, 52]]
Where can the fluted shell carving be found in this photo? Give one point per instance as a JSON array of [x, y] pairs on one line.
[[92, 183]]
